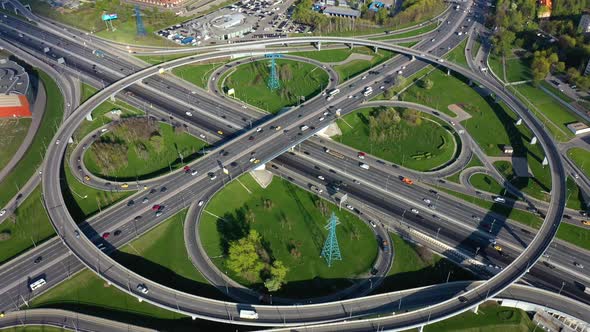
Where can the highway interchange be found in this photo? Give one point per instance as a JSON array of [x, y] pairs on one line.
[[239, 149]]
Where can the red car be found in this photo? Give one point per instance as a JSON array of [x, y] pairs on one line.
[[361, 155], [156, 207], [186, 169], [106, 235]]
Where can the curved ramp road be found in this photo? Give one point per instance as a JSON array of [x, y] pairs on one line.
[[268, 146], [63, 319]]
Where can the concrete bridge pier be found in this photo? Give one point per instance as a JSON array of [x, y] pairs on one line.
[[475, 309], [470, 83], [318, 45], [376, 50], [421, 329], [350, 46], [448, 72], [113, 98]]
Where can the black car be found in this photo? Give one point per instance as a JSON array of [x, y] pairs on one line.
[[117, 232], [163, 189], [38, 260]]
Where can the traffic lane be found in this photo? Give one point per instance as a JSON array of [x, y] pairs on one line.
[[79, 63], [514, 233]]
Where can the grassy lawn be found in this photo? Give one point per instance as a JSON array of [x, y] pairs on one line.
[[99, 114], [333, 55], [577, 236], [28, 227], [486, 183], [488, 119], [86, 293], [518, 69], [32, 158], [536, 186], [575, 198], [558, 115], [84, 201], [492, 125], [495, 63], [411, 142], [580, 157], [354, 67], [160, 255], [292, 225], [197, 74], [490, 317], [159, 157], [88, 17], [415, 266], [157, 59], [423, 29], [13, 134], [457, 55], [299, 81]]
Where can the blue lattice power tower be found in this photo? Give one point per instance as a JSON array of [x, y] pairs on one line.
[[331, 250], [139, 22], [273, 80]]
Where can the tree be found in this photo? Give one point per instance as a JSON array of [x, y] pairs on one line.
[[278, 273], [426, 83], [243, 255], [503, 41]]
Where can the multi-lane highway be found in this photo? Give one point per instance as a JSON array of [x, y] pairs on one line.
[[120, 276]]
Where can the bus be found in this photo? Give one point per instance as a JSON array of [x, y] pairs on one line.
[[334, 92], [37, 283]]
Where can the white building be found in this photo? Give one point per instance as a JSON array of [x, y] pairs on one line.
[[578, 128], [584, 26]]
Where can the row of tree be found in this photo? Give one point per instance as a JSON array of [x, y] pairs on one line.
[[384, 123], [411, 11], [516, 26]]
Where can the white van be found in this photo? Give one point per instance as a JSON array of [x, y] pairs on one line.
[[303, 128], [499, 199], [248, 314], [363, 165]]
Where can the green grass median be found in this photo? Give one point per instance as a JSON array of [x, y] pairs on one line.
[[292, 226], [421, 142]]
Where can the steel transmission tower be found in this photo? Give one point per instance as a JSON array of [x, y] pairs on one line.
[[331, 250], [139, 22], [273, 81]]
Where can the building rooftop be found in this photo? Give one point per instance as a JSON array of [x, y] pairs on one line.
[[342, 11], [13, 78]]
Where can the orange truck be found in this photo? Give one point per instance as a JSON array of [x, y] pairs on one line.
[[407, 181]]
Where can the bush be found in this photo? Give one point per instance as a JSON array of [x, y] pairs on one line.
[[5, 235]]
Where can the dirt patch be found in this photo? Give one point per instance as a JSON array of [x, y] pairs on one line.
[[460, 113]]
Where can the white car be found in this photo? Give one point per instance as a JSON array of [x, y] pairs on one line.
[[426, 200], [258, 129], [56, 141], [364, 77], [213, 177], [142, 288], [326, 113], [348, 206], [201, 203], [373, 224], [350, 96], [321, 177], [415, 211], [321, 118], [2, 212], [252, 159], [194, 172], [188, 113]]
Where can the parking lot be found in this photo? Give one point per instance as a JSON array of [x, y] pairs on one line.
[[244, 20]]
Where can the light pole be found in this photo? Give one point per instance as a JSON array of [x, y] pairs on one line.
[[437, 233], [562, 285]]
